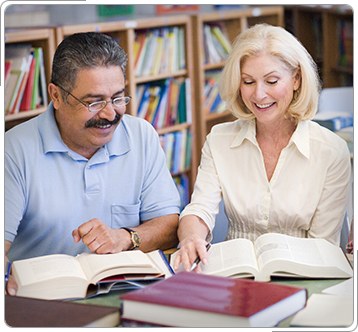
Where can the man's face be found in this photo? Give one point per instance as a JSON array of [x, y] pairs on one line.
[[81, 130]]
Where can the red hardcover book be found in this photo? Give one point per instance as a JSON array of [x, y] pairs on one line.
[[188, 299], [27, 96]]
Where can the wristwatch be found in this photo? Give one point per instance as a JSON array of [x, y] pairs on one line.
[[134, 237]]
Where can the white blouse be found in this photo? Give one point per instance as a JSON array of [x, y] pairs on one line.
[[307, 194]]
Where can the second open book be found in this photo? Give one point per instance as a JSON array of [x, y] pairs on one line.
[[279, 255]]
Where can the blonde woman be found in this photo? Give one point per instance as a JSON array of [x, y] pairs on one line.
[[276, 170]]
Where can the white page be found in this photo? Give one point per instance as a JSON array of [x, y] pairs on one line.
[[343, 288], [325, 310]]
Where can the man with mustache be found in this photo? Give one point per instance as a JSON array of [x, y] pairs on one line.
[[85, 176]]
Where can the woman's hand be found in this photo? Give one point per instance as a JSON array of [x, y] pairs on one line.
[[188, 253], [192, 233]]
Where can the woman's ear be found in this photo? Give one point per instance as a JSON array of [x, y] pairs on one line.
[[55, 95], [297, 80]]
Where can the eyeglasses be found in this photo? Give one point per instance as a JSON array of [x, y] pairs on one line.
[[100, 105]]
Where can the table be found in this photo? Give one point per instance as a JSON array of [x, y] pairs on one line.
[[312, 285]]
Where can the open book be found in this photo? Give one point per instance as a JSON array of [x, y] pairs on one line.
[[62, 276], [279, 255]]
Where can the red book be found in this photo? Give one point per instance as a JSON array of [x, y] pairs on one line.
[[188, 299], [27, 96]]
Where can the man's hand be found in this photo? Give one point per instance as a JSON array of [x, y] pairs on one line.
[[100, 238]]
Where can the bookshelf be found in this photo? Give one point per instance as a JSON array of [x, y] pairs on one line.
[[233, 23], [327, 33], [41, 37]]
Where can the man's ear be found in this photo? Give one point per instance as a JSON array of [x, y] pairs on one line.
[[55, 95]]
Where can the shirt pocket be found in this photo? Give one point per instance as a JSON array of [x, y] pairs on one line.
[[125, 215]]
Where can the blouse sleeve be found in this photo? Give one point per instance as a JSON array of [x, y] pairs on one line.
[[207, 190], [328, 218]]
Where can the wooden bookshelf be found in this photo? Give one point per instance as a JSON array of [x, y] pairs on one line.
[[37, 37], [317, 27], [235, 22]]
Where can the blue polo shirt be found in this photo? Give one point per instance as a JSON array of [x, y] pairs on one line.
[[51, 190]]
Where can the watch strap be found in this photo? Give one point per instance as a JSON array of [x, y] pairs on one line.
[[134, 237]]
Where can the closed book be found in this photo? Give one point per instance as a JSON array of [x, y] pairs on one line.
[[189, 299], [26, 312], [334, 120]]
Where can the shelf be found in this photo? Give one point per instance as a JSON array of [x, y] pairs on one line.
[[22, 115], [145, 79]]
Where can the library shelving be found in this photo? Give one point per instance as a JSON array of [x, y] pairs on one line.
[[37, 37], [206, 70], [327, 33]]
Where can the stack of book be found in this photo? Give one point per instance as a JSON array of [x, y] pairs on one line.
[[177, 147], [158, 51], [216, 43], [25, 83], [165, 103]]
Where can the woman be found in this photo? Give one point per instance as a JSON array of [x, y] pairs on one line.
[[276, 170]]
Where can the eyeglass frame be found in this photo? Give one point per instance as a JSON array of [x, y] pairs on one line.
[[104, 102]]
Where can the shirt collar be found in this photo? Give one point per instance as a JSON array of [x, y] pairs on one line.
[[300, 137], [52, 141], [247, 131]]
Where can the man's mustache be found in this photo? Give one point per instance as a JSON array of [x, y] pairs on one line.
[[102, 122]]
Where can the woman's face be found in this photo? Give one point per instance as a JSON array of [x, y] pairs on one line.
[[267, 87]]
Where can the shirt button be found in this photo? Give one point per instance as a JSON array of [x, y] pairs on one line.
[[265, 217], [268, 189]]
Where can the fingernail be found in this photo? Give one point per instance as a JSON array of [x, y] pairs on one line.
[[11, 291]]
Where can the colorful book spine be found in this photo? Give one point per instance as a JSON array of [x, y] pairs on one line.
[[159, 50], [166, 102], [177, 147]]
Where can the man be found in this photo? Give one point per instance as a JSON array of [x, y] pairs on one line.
[[79, 173]]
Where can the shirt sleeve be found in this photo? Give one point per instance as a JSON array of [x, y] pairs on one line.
[[14, 197], [328, 218]]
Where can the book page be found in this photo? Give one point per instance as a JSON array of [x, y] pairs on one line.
[[228, 255], [278, 246], [325, 310], [343, 288], [300, 256], [43, 268], [93, 264]]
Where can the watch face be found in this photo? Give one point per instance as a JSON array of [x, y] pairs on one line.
[[136, 239]]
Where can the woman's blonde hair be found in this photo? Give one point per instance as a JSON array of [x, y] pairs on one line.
[[277, 42]]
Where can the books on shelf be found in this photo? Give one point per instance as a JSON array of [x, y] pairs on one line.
[[195, 300], [216, 43], [66, 277], [275, 254], [345, 38], [182, 183], [26, 84], [159, 50], [177, 147], [28, 312], [166, 102], [212, 102]]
